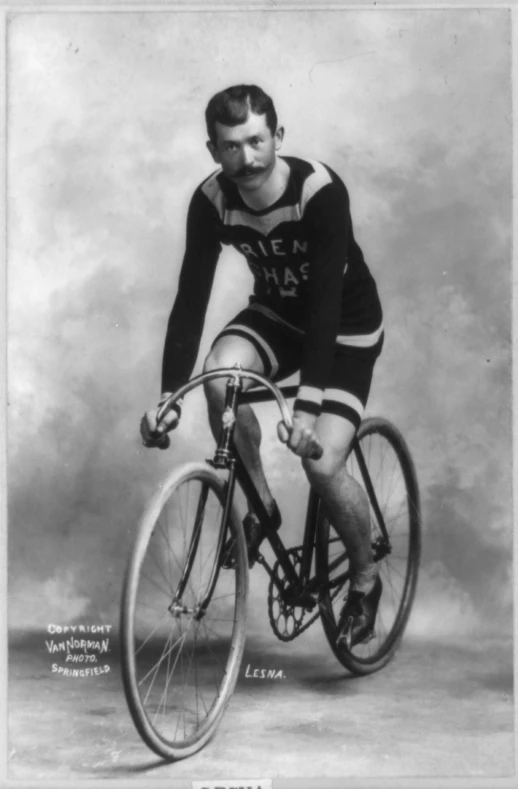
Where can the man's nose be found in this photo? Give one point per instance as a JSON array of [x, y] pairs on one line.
[[247, 155]]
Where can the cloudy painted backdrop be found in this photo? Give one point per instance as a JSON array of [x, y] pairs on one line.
[[105, 146]]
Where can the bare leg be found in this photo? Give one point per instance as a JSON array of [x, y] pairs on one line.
[[247, 436], [247, 433], [344, 498]]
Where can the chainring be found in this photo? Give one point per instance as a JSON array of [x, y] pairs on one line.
[[287, 621]]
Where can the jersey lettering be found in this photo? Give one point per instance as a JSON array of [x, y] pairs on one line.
[[254, 268], [270, 274], [276, 242], [285, 279], [246, 249], [300, 247], [273, 246], [289, 277]]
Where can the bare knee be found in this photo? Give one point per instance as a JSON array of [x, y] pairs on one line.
[[227, 352], [336, 435], [321, 473], [219, 357], [216, 358]]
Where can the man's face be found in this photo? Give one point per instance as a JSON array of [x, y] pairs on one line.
[[246, 152]]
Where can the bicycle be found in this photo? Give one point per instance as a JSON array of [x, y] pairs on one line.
[[183, 615]]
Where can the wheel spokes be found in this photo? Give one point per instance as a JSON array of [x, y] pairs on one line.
[[180, 661]]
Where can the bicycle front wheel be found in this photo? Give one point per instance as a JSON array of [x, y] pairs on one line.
[[183, 617], [389, 479]]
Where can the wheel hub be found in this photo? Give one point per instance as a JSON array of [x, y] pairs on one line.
[[177, 609]]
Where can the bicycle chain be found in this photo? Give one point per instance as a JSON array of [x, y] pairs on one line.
[[293, 614]]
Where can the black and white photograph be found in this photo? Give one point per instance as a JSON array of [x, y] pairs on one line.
[[259, 444]]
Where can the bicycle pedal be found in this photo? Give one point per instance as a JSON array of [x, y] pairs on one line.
[[345, 635], [368, 637]]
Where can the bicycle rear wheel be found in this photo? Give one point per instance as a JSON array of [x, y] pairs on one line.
[[394, 499], [180, 662]]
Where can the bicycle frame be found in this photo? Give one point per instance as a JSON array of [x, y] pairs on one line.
[[227, 457], [180, 655]]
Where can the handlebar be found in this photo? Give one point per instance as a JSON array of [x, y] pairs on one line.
[[239, 373], [228, 372]]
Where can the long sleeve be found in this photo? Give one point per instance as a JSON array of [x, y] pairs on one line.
[[328, 223], [187, 317]]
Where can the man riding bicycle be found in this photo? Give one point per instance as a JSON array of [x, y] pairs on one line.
[[315, 308]]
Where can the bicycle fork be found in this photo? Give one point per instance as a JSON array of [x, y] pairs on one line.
[[223, 459]]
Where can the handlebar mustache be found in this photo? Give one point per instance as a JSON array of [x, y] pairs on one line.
[[248, 171]]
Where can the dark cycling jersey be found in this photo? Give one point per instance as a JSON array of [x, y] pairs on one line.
[[309, 271]]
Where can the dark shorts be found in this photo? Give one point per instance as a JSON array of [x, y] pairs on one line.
[[280, 346]]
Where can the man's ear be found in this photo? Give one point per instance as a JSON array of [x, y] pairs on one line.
[[279, 137], [213, 151]]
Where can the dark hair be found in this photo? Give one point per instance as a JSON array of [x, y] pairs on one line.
[[233, 105]]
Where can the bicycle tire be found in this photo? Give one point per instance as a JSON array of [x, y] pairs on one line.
[[381, 443], [182, 648]]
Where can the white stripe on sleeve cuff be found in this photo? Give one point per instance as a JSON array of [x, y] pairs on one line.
[[345, 398], [310, 394]]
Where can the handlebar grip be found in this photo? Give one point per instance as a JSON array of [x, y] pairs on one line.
[[284, 432], [167, 405]]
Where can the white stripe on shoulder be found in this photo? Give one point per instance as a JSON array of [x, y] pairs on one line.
[[314, 182], [213, 191]]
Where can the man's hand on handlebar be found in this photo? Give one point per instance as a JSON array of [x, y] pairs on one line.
[[302, 440], [154, 433]]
